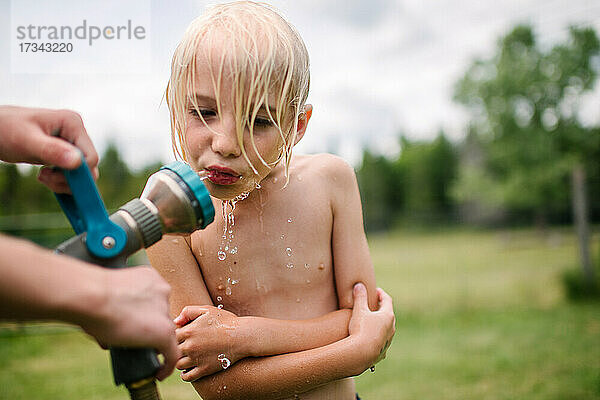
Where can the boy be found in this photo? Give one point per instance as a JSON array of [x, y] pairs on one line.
[[283, 264]]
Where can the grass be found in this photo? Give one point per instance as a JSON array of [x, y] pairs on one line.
[[479, 315]]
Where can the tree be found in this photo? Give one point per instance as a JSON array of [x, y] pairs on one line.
[[428, 171], [525, 104], [380, 191], [114, 182]]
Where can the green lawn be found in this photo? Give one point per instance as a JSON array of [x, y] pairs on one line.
[[479, 315]]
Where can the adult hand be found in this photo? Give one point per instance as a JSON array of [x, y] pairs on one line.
[[208, 338], [374, 329], [44, 136], [135, 313]]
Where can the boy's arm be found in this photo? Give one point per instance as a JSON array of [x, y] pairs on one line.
[[286, 375], [209, 331], [351, 258]]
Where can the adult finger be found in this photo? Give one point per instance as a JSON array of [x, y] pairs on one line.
[[72, 130], [55, 180], [172, 354], [44, 149], [360, 297]]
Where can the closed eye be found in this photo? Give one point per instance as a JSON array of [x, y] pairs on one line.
[[262, 122], [205, 113]]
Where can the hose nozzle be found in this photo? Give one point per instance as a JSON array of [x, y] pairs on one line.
[[143, 390]]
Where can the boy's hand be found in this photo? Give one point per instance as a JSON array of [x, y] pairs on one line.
[[374, 329], [43, 136], [208, 339]]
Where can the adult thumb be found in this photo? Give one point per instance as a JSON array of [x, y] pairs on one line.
[[360, 296]]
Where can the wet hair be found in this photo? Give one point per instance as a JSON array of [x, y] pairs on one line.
[[264, 57]]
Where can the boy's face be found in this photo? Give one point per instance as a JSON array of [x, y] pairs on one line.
[[212, 145]]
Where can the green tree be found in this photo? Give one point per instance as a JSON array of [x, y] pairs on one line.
[[428, 170], [380, 191], [525, 104], [9, 183], [114, 182]]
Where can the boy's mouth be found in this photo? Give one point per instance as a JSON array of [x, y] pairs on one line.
[[222, 175]]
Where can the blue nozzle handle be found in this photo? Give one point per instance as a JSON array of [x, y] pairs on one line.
[[86, 212]]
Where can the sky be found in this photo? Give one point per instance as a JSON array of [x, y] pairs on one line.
[[378, 68]]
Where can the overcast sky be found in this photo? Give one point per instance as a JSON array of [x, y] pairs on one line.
[[379, 67]]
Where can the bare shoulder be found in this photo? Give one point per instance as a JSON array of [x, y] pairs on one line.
[[334, 169]]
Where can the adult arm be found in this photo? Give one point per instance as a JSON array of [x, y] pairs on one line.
[[117, 307]]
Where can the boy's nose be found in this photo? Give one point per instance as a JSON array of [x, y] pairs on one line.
[[225, 141]]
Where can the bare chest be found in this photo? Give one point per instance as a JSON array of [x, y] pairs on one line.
[[270, 260]]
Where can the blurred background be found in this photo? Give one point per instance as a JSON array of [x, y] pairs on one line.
[[474, 130]]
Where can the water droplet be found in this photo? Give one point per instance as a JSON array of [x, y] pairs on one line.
[[233, 250], [307, 266], [221, 255], [219, 298], [308, 281], [321, 266], [228, 291], [290, 265], [220, 306], [172, 270], [234, 281], [299, 178], [225, 363], [258, 186], [288, 251], [297, 300], [290, 220], [282, 237], [274, 180], [220, 287]]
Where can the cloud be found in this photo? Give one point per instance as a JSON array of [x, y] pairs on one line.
[[378, 67]]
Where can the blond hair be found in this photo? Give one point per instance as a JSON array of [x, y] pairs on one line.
[[266, 58]]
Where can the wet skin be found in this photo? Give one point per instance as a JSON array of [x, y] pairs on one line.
[[299, 250]]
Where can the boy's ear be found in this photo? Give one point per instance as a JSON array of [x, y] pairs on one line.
[[303, 119]]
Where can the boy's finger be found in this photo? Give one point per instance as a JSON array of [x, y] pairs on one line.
[[181, 334], [189, 313], [190, 375], [184, 362], [385, 303], [360, 296]]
